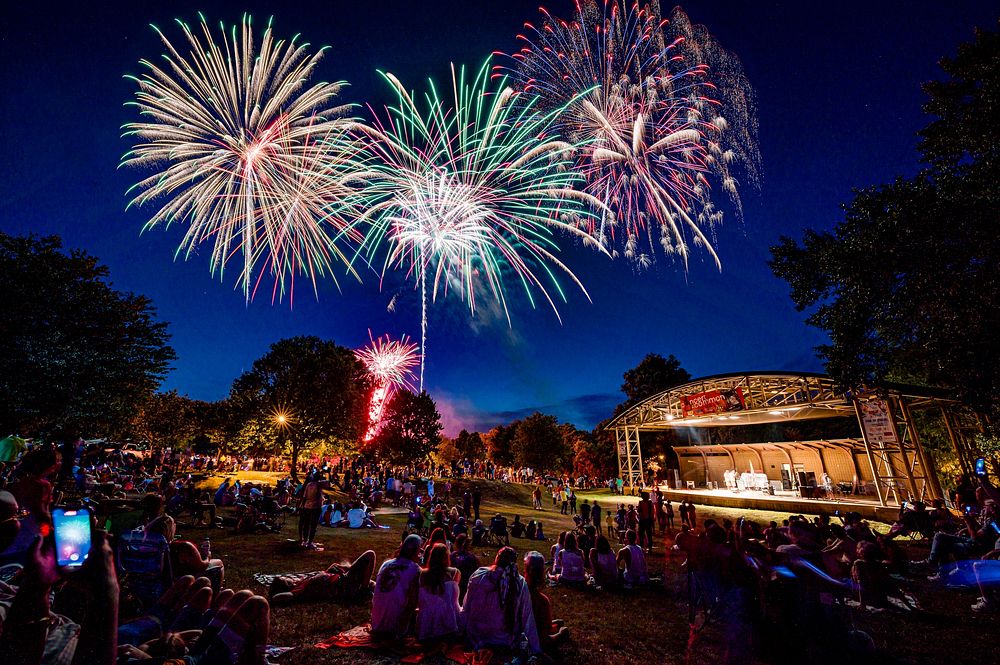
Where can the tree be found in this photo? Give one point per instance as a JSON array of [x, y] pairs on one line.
[[470, 446], [500, 443], [447, 453], [168, 419], [306, 392], [906, 286], [653, 375], [74, 352], [539, 444], [411, 428]]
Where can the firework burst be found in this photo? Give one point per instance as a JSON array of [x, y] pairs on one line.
[[651, 118], [245, 151], [468, 193], [390, 364]]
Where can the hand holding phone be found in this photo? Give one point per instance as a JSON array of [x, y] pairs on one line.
[[72, 536]]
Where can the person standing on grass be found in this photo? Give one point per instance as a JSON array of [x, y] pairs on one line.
[[477, 498], [644, 513], [692, 516], [572, 500], [595, 517], [684, 512], [536, 498], [564, 498], [668, 511], [585, 513], [309, 509]]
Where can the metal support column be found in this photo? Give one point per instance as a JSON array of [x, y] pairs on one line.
[[629, 456]]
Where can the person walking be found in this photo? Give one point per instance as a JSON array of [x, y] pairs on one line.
[[669, 511], [595, 517]]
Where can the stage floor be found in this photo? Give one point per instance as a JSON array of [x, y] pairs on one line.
[[784, 501]]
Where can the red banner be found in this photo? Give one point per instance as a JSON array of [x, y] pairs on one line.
[[713, 401]]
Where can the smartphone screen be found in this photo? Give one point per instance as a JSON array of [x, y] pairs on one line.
[[72, 534], [981, 466]]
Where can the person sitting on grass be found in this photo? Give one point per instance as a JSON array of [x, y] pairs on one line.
[[438, 608], [437, 536], [459, 528], [551, 632], [497, 610], [478, 531], [604, 564], [346, 584], [465, 561], [569, 562], [190, 624], [395, 599], [185, 556], [634, 560], [517, 527], [554, 552]]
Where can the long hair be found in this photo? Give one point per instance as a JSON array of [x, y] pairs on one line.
[[509, 584], [433, 575]]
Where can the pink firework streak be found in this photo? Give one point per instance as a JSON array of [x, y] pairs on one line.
[[390, 364]]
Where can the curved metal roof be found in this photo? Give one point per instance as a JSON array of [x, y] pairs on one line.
[[750, 398]]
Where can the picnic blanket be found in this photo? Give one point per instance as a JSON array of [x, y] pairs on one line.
[[291, 578], [408, 651]]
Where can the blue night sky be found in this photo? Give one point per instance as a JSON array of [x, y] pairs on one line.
[[839, 104]]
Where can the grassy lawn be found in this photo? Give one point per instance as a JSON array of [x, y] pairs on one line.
[[648, 626]]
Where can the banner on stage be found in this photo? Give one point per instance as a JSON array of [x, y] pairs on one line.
[[876, 421], [713, 401]]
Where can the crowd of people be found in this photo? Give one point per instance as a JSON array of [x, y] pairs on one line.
[[145, 594]]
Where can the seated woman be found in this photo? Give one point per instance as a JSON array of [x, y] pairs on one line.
[[437, 536], [635, 561], [554, 552], [550, 631], [497, 608], [604, 564], [438, 610], [185, 557], [466, 562], [517, 527], [341, 583], [539, 532], [570, 563], [530, 530]]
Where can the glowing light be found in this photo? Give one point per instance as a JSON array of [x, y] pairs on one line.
[[245, 152], [465, 191], [657, 128], [390, 364]]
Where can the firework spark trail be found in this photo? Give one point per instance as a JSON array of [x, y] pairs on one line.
[[465, 192], [652, 119], [246, 152], [390, 364]]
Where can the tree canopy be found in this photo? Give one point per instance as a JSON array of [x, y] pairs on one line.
[[305, 392], [653, 375], [411, 428], [74, 352], [906, 285]]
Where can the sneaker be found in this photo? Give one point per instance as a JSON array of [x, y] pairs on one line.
[[983, 605]]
